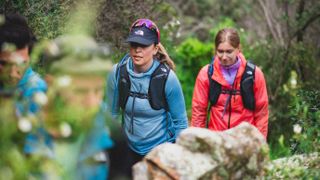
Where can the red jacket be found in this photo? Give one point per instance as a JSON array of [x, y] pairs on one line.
[[258, 117]]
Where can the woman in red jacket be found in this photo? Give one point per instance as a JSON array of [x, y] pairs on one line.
[[234, 89]]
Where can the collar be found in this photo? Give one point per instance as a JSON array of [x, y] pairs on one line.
[[130, 69], [25, 77], [233, 67], [218, 75]]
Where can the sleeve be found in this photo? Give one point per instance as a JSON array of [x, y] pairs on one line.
[[261, 112], [176, 103], [200, 99], [111, 96]]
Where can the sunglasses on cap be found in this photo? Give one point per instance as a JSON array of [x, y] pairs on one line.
[[148, 24]]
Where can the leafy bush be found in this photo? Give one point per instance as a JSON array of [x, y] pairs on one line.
[[305, 113], [304, 166], [46, 18], [190, 56]]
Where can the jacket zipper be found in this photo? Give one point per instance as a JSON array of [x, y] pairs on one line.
[[132, 112], [132, 108], [231, 93]]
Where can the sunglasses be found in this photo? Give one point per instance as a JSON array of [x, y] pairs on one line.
[[148, 24]]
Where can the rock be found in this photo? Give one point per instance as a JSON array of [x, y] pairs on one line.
[[172, 161], [238, 153]]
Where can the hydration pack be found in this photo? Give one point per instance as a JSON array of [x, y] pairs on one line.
[[156, 91], [246, 87]]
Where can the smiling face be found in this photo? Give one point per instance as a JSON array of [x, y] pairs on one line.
[[142, 56], [13, 65]]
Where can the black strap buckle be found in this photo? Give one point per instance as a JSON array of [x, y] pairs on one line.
[[139, 95], [230, 91]]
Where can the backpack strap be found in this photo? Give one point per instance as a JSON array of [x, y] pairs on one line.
[[123, 80], [156, 92], [214, 86], [122, 61], [214, 90], [246, 87]]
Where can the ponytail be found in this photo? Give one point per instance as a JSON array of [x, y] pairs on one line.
[[163, 57]]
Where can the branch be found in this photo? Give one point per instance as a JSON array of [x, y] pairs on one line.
[[304, 27], [286, 8], [270, 22], [299, 17]]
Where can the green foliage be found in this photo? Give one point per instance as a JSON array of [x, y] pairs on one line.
[[304, 59], [46, 26], [13, 164], [283, 84], [190, 56], [305, 113], [304, 166], [60, 112], [279, 148], [46, 18], [224, 23]]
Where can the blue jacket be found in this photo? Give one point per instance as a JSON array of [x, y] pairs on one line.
[[96, 141], [145, 127], [30, 84]]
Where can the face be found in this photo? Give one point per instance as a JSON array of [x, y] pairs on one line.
[[227, 53], [13, 65], [142, 56]]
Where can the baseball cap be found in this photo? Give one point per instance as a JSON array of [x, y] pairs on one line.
[[142, 35]]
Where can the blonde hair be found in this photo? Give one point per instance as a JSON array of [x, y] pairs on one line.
[[164, 57]]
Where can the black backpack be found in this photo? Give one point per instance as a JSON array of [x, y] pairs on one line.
[[246, 87], [156, 92]]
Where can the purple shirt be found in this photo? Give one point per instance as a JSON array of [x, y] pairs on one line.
[[229, 72]]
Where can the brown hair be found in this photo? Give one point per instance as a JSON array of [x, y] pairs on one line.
[[164, 57], [229, 35]]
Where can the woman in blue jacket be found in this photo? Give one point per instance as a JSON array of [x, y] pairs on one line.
[[146, 89]]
